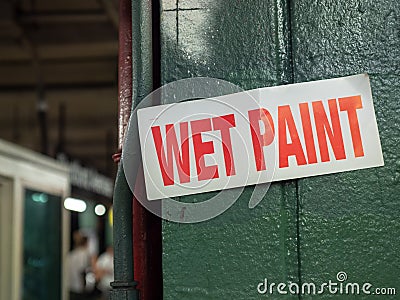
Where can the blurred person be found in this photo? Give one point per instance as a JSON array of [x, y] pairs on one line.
[[79, 263], [105, 272]]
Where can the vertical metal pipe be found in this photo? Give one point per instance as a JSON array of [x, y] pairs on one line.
[[42, 117], [135, 82], [146, 226], [125, 62], [61, 129], [124, 286]]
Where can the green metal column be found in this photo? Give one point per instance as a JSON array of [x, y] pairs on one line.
[[350, 221], [306, 230], [247, 43], [124, 286]]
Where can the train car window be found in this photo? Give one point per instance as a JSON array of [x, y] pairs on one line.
[[42, 246]]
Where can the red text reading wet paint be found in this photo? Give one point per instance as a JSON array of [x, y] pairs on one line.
[[326, 128]]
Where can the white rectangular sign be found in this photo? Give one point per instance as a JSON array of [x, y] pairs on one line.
[[267, 134]]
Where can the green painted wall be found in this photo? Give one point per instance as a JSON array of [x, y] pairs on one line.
[[350, 222], [306, 230]]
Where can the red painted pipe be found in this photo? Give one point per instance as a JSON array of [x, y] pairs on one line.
[[124, 68], [147, 246]]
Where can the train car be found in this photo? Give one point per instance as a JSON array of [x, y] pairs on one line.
[[34, 226]]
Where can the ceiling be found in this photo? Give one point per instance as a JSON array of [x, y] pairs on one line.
[[58, 78]]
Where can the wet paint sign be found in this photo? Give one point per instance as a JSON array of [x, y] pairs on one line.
[[258, 136]]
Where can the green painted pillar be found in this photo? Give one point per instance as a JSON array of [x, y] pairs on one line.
[[246, 43], [350, 221], [306, 230]]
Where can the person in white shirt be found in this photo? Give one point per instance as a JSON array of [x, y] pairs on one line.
[[78, 262]]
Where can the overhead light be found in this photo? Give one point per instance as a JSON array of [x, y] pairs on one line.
[[75, 204], [100, 209]]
